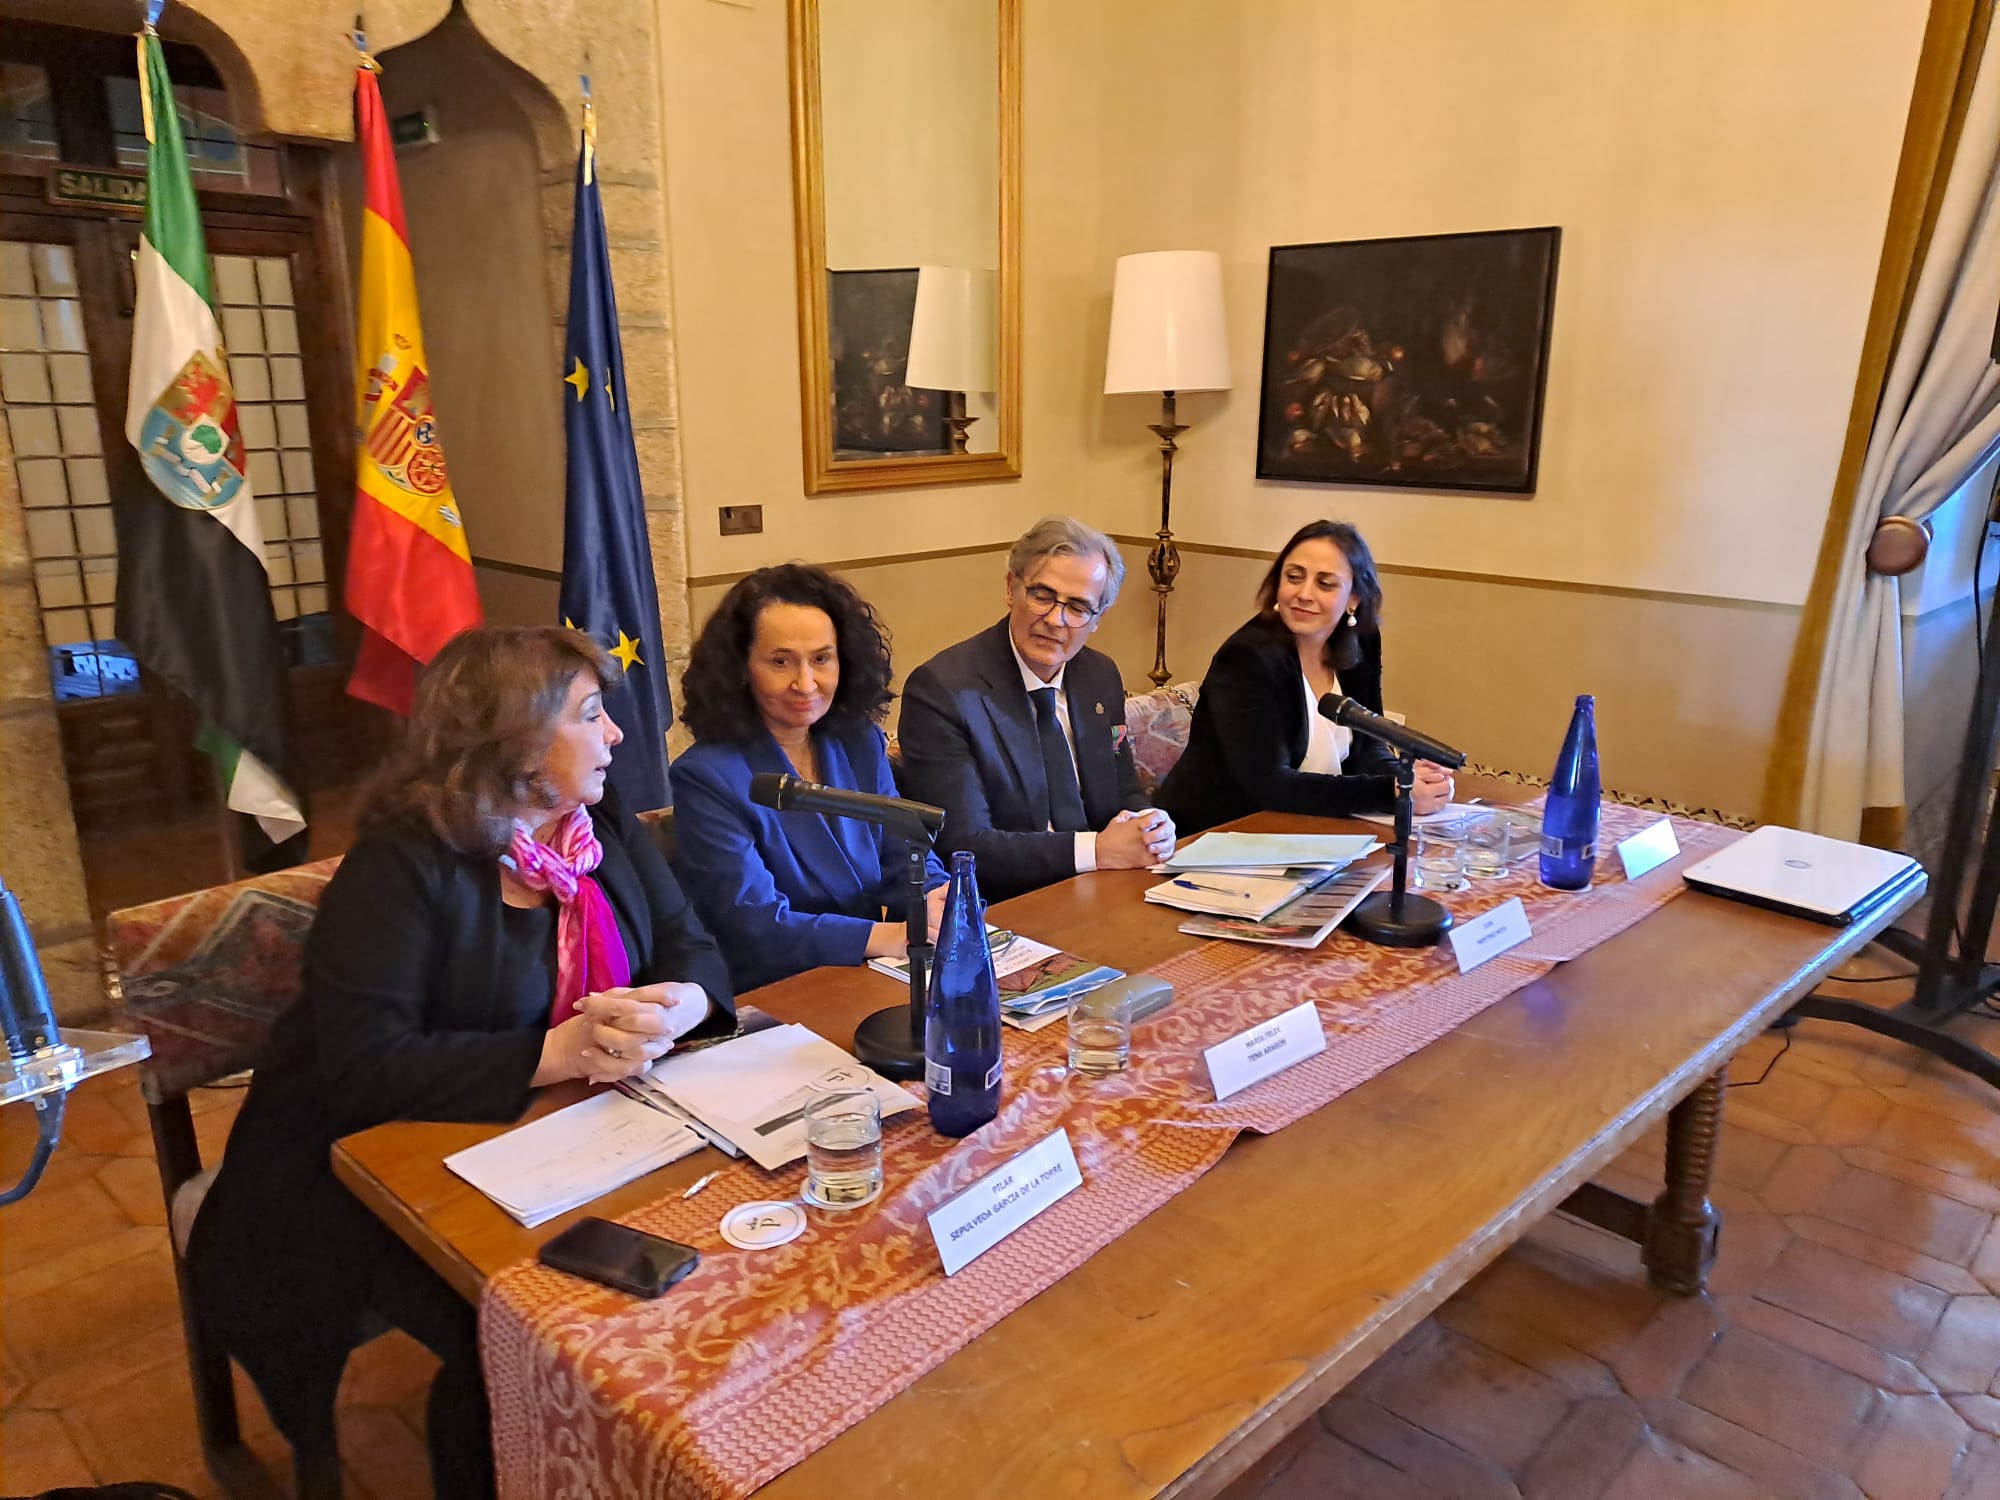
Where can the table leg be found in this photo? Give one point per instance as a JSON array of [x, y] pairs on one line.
[[1682, 1225]]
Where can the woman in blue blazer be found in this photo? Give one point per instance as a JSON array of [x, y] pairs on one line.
[[790, 674]]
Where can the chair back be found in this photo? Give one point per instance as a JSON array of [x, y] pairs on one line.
[[205, 974], [1158, 724], [659, 823]]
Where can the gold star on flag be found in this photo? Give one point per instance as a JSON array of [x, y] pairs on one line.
[[568, 623], [627, 651], [580, 378]]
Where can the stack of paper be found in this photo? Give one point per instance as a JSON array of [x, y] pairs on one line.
[[752, 1090], [1255, 851], [1237, 893], [564, 1160], [1306, 922], [1037, 982]]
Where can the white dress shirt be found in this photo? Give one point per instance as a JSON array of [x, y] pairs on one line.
[[1327, 743], [1086, 843]]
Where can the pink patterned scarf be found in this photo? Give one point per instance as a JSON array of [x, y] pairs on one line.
[[590, 951]]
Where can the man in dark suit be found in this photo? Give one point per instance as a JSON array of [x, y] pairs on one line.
[[1019, 733]]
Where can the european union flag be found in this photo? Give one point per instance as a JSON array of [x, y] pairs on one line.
[[607, 583]]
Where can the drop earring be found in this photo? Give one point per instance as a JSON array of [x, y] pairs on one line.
[[1351, 621]]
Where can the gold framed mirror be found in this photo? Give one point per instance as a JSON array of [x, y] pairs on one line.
[[906, 175]]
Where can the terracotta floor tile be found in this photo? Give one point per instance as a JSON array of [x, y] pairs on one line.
[[1978, 1476], [1800, 1179], [1787, 1093], [1584, 1454], [1330, 1467], [1587, 1242], [1940, 1140], [1964, 1354], [1747, 1114], [1916, 1451], [1986, 1264], [1251, 1483], [79, 1381], [1980, 1413], [1894, 1313], [37, 1453], [1852, 1118], [1658, 1468], [1778, 1472], [1531, 1342], [1980, 1190], [50, 1221], [1484, 1402], [387, 1370], [1901, 1259], [60, 1270], [1771, 1389], [1673, 1342], [1891, 1208], [91, 1121], [1889, 1372], [141, 1428], [134, 1185], [13, 1379], [1745, 1159], [1597, 1310], [66, 1325], [386, 1459], [1750, 1241], [1442, 1467]]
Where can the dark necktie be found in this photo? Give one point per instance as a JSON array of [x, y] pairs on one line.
[[1065, 797]]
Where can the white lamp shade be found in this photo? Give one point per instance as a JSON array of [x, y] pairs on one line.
[[953, 343], [1167, 332]]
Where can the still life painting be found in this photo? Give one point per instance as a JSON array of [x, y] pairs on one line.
[[868, 330], [1418, 361]]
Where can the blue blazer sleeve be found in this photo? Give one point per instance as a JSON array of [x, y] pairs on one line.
[[724, 847], [872, 773]]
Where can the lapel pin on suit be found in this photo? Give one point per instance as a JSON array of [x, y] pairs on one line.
[[1100, 708]]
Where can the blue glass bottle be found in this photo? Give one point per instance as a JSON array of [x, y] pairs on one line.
[[962, 1013], [1569, 818]]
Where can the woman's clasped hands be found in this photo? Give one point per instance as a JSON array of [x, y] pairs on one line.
[[618, 1033]]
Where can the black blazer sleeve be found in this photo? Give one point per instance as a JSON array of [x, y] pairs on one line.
[[683, 949], [939, 768], [375, 974]]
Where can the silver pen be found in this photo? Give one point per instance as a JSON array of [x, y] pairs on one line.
[[701, 1182]]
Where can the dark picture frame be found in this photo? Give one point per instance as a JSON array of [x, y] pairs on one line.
[[1419, 361], [868, 337]]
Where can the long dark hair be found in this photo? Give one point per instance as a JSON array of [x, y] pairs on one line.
[[486, 712], [716, 703], [1343, 647]]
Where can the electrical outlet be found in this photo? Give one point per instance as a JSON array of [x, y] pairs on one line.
[[742, 520]]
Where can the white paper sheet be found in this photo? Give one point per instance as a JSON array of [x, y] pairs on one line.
[[566, 1159]]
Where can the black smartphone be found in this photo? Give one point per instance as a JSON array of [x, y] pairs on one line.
[[629, 1259]]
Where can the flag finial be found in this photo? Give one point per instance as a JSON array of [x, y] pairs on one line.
[[589, 121], [360, 38], [153, 9]]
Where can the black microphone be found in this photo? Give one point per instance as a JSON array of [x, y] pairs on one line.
[[1397, 736], [789, 794]]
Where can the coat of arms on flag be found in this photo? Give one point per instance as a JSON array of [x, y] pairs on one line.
[[188, 439], [401, 432]]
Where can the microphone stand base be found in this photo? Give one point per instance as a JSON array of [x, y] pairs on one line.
[[889, 1044], [1420, 923]]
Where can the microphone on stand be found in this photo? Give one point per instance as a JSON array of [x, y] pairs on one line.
[[917, 820], [1352, 715]]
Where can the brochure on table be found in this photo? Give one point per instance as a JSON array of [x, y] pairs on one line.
[[1036, 981], [1252, 897], [1306, 922], [753, 1090]]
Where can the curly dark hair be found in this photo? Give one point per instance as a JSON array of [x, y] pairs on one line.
[[1343, 647], [485, 714], [716, 703]]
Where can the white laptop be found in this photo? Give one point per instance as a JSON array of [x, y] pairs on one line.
[[1803, 874]]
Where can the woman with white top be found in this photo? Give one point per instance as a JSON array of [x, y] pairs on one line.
[[1258, 742]]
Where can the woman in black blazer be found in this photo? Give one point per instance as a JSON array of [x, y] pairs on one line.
[[502, 923], [1257, 743]]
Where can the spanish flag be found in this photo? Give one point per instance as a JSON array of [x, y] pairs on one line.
[[409, 571]]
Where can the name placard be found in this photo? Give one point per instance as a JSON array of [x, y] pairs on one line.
[[1002, 1201], [1489, 934], [1266, 1048], [1649, 848]]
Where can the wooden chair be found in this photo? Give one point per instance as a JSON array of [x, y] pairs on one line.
[[204, 975], [1158, 723]]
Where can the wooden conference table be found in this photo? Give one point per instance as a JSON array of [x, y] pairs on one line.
[[1254, 1296]]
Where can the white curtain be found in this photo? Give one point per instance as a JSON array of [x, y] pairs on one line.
[[1938, 420]]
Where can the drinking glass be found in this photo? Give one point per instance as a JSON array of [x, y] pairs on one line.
[[1100, 1032], [1491, 843], [1441, 855], [843, 1146]]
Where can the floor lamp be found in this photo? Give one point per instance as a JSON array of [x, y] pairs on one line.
[[1167, 335], [952, 343]]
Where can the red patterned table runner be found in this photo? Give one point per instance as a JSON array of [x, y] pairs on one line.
[[759, 1358]]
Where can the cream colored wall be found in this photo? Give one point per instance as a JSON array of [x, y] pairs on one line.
[[1721, 171]]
